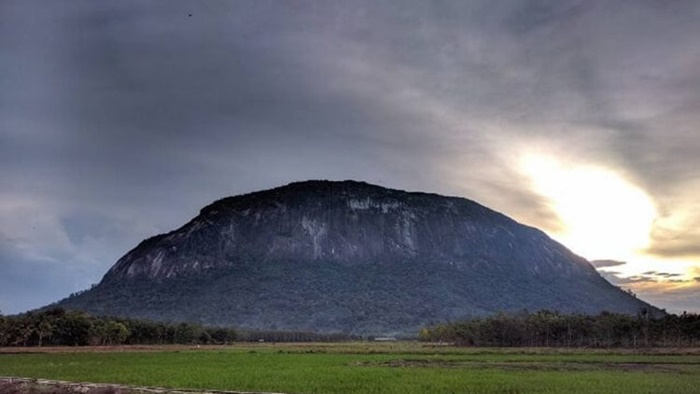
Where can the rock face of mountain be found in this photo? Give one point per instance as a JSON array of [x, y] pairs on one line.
[[348, 257]]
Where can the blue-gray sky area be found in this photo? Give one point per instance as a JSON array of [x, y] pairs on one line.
[[119, 120]]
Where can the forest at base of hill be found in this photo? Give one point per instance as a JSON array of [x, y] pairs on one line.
[[59, 327], [553, 329]]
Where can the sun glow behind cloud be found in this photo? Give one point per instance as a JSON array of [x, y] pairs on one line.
[[602, 214]]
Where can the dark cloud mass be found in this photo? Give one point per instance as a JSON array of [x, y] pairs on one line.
[[607, 263], [617, 279], [119, 120]]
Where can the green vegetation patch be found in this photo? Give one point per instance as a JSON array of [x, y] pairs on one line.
[[362, 368], [530, 366]]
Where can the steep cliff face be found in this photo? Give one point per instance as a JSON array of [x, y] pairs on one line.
[[348, 256]]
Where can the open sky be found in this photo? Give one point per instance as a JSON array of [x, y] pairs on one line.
[[119, 120]]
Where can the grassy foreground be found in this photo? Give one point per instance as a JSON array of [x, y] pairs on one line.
[[368, 368]]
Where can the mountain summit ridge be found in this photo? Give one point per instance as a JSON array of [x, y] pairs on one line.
[[348, 256]]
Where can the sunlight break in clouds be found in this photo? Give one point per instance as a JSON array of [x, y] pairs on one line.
[[603, 215]]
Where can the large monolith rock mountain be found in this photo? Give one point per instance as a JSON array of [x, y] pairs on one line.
[[348, 257]]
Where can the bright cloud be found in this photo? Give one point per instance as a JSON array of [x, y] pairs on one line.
[[603, 215]]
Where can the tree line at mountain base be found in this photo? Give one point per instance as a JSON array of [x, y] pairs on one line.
[[553, 329], [59, 327]]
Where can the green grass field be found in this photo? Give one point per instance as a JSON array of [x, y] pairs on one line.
[[369, 368]]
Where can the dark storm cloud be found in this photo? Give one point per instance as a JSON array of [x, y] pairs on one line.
[[661, 274], [121, 119], [618, 278], [607, 263]]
